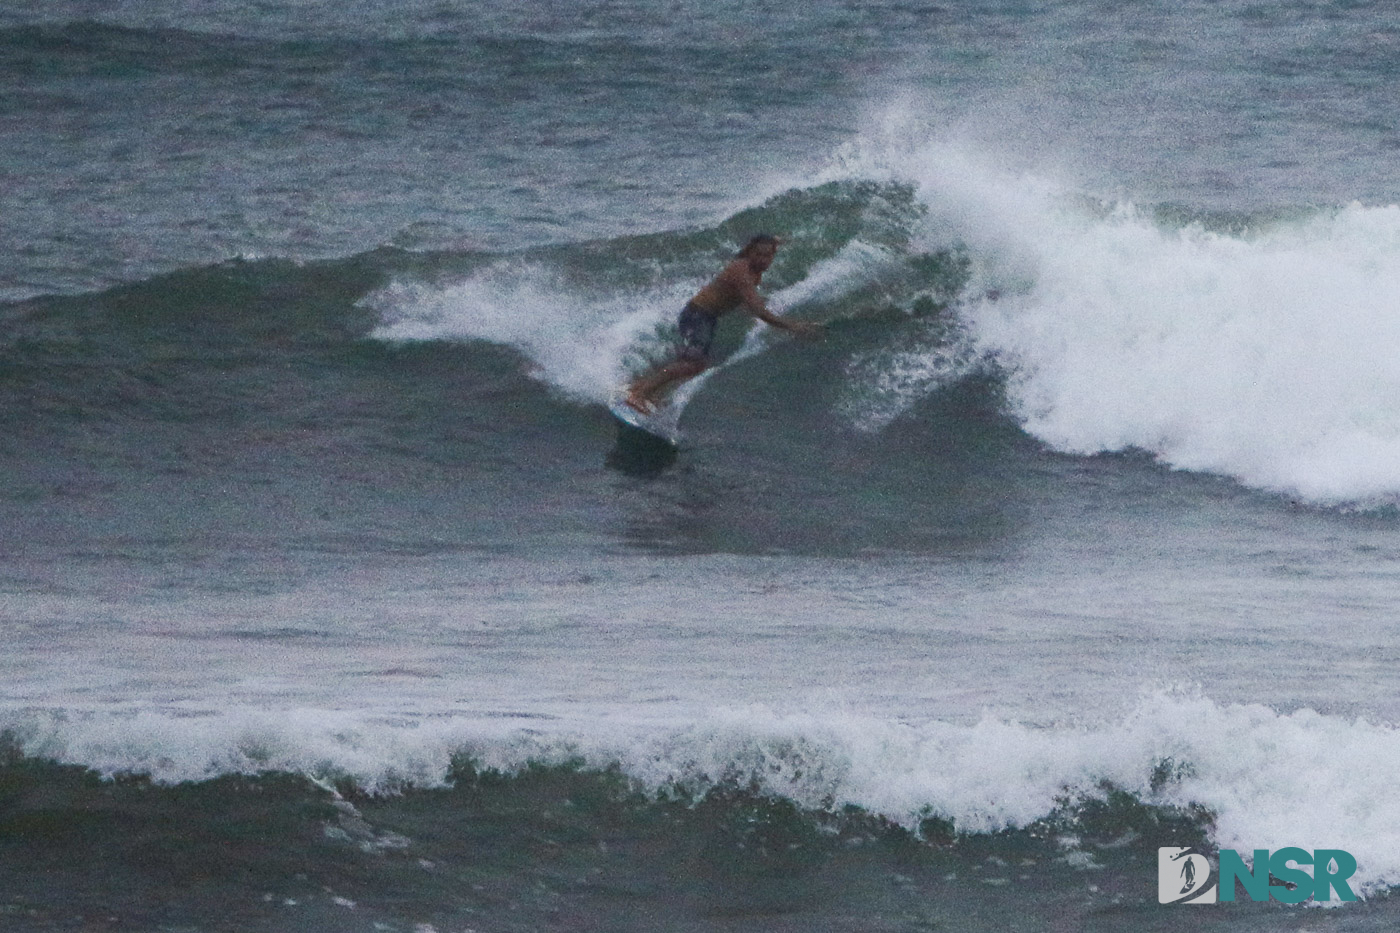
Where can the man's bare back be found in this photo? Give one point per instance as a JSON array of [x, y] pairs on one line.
[[736, 285]]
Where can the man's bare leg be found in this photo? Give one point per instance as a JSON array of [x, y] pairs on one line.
[[642, 394]]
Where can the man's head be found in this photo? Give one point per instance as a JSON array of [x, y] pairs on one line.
[[760, 250]]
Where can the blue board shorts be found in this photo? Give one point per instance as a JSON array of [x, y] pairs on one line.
[[697, 333]]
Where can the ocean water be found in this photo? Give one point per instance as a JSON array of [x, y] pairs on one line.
[[333, 600]]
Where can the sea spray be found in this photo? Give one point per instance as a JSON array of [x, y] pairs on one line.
[[579, 343]]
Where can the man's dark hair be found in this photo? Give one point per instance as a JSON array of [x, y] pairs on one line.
[[763, 239]]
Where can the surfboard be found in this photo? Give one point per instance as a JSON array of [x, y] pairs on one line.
[[656, 425]]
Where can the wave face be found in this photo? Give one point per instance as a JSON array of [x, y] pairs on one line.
[[960, 301], [1260, 348], [350, 388]]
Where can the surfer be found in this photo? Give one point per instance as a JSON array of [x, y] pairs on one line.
[[735, 287]]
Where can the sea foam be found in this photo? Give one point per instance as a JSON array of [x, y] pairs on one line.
[[1270, 354], [1270, 779], [1273, 357]]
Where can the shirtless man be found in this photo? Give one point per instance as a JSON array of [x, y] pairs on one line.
[[735, 287]]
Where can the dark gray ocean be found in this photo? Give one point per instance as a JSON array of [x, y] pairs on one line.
[[331, 598]]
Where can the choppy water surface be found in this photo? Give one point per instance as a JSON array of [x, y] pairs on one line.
[[331, 601]]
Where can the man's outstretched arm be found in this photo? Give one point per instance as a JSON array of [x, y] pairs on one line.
[[754, 304]]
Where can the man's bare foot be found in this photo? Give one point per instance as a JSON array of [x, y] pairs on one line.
[[642, 405]]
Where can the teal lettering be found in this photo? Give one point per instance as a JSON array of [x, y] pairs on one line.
[[1256, 883], [1324, 880], [1278, 866]]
